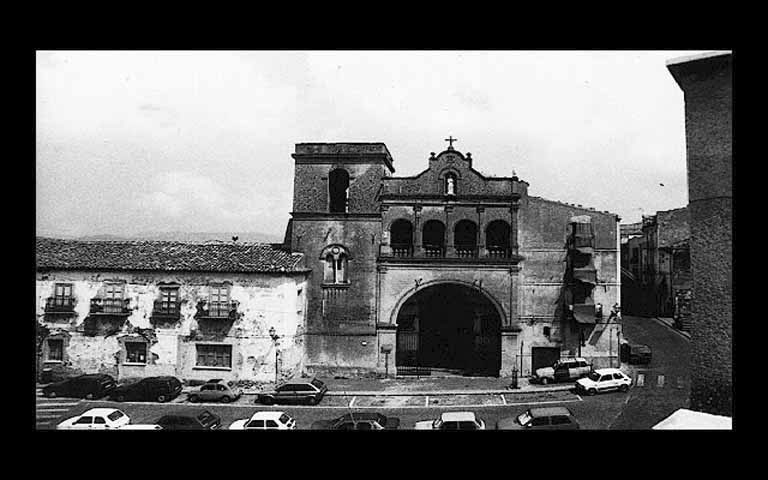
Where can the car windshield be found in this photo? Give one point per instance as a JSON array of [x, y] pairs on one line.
[[115, 415], [205, 417], [594, 376], [284, 419], [524, 418], [317, 383]]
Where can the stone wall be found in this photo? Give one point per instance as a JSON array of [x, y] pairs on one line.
[[707, 86]]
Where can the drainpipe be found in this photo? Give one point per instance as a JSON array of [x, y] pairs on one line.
[[618, 260]]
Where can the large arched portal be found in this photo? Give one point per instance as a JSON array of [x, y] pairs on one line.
[[449, 327]]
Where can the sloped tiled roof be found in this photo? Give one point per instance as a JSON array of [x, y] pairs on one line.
[[164, 256]]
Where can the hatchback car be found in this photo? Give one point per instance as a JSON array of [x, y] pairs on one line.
[[452, 421], [216, 391], [89, 386], [202, 420], [148, 389], [265, 421], [603, 380], [551, 418], [96, 419], [564, 370], [358, 421], [295, 391]]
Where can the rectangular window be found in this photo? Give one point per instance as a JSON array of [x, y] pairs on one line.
[[136, 352], [113, 297], [63, 290], [168, 304], [55, 350], [214, 356], [219, 301]]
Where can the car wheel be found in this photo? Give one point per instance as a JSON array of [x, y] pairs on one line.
[[268, 400], [314, 400], [51, 394], [194, 398], [226, 399], [624, 388], [161, 398], [592, 391], [89, 396], [120, 398], [544, 381]]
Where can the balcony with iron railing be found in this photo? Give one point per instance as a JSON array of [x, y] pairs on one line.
[[219, 310], [110, 306], [166, 309], [60, 305]]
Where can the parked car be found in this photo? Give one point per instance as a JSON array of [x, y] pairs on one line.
[[358, 421], [265, 421], [452, 421], [549, 418], [216, 390], [295, 391], [96, 419], [564, 370], [201, 420], [148, 389], [89, 386], [639, 354], [603, 380]]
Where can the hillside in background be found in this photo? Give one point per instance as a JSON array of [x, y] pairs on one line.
[[187, 237]]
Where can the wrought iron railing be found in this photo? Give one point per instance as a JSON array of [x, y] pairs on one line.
[[165, 308], [110, 306], [60, 304], [220, 309]]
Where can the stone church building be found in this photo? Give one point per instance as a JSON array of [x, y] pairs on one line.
[[448, 271], [445, 272]]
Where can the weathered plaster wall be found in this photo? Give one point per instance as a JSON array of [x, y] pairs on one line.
[[264, 301]]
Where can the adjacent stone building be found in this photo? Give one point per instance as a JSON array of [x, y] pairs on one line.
[[657, 267], [707, 82], [448, 271], [195, 311]]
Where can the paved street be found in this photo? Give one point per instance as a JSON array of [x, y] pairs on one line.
[[660, 388]]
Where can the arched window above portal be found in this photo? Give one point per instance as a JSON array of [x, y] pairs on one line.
[[401, 238], [338, 191], [497, 239], [433, 238], [465, 238]]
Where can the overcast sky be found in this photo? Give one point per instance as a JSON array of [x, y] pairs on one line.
[[201, 141]]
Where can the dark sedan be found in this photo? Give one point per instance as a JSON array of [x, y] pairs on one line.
[[295, 391], [203, 420], [358, 421], [148, 389], [88, 386]]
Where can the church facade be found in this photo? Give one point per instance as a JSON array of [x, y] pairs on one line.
[[448, 271]]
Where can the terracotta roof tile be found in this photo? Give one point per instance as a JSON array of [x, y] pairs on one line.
[[163, 255]]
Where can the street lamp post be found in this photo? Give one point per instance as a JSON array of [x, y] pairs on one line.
[[276, 339]]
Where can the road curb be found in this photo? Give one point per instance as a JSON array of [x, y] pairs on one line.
[[685, 335], [402, 393]]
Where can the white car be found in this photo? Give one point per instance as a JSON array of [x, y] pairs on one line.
[[452, 421], [96, 419], [603, 380], [265, 421]]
